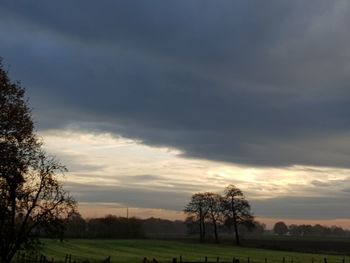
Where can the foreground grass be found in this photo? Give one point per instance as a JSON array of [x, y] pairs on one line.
[[133, 251]]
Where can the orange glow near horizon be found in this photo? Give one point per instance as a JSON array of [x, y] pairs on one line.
[[101, 210]]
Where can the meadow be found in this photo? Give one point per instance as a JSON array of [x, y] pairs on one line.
[[133, 251]]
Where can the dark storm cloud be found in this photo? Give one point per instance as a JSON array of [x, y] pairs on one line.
[[251, 82]]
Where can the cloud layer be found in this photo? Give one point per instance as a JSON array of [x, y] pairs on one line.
[[108, 172], [249, 82]]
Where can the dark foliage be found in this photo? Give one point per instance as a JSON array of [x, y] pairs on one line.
[[121, 227], [316, 230], [114, 227], [280, 228], [211, 211], [105, 227], [31, 198]]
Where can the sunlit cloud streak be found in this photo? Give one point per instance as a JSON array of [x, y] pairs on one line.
[[131, 174]]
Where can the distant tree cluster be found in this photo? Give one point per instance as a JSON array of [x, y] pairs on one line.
[[112, 226], [105, 227], [280, 228], [219, 211]]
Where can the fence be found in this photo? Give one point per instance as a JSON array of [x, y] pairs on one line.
[[246, 260], [40, 258]]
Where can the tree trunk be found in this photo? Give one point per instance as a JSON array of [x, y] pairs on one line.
[[236, 231], [215, 231], [235, 223], [200, 226], [203, 222]]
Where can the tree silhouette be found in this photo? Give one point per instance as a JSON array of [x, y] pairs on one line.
[[280, 228], [31, 197], [197, 211], [237, 210], [213, 203]]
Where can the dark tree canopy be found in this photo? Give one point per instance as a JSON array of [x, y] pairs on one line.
[[31, 197], [280, 228]]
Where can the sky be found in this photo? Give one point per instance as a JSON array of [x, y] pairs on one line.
[[149, 102]]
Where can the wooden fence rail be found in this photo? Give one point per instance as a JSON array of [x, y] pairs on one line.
[[240, 260]]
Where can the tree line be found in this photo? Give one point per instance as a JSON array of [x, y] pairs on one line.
[[230, 209], [281, 229], [111, 226]]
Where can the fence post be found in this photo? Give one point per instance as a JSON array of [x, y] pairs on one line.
[[343, 259], [206, 259], [248, 260], [325, 260], [265, 260], [180, 259], [174, 260], [217, 259]]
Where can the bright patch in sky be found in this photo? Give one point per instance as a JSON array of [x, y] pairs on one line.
[[109, 173]]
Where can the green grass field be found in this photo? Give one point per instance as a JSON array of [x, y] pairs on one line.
[[133, 251]]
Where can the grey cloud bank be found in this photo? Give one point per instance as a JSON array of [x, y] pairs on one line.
[[130, 196], [250, 82]]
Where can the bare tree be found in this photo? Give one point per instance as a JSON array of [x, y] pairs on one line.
[[196, 210], [31, 197], [237, 209], [213, 203]]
